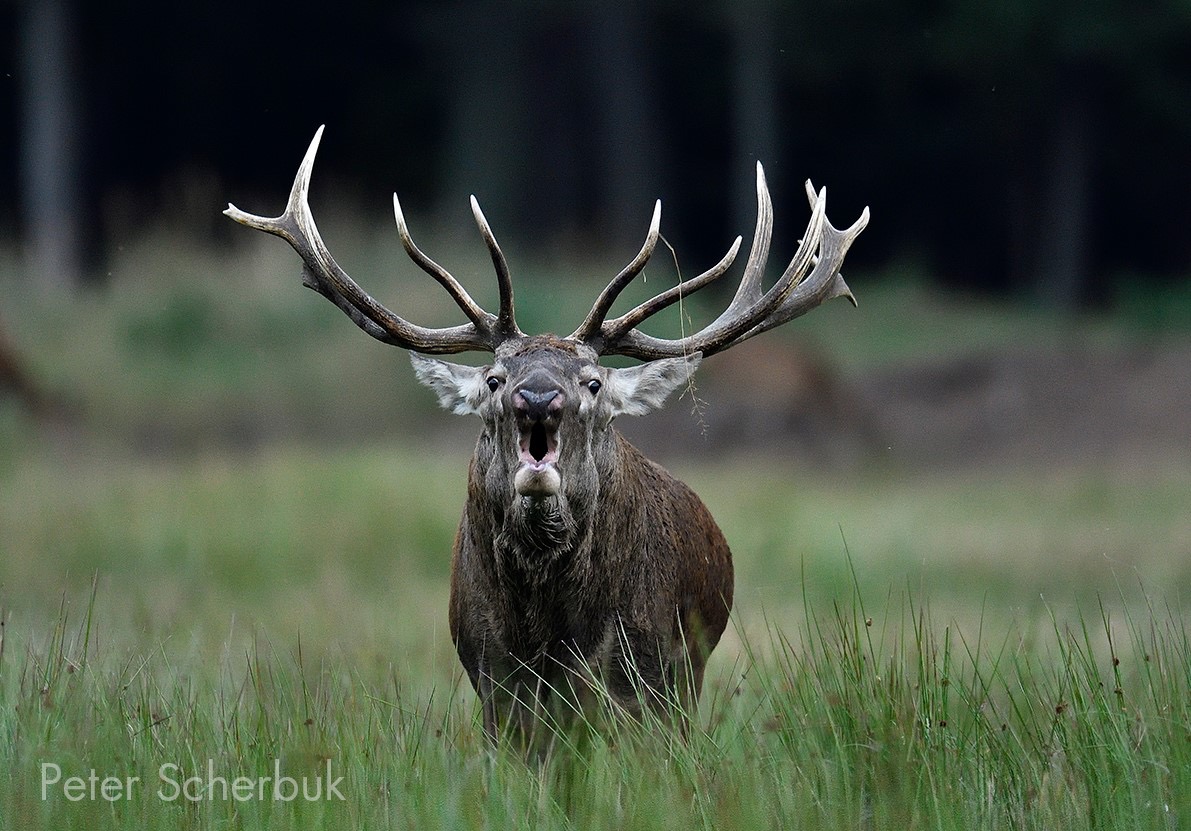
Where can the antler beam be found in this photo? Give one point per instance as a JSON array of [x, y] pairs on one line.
[[484, 332]]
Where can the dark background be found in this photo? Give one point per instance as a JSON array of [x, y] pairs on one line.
[[1034, 149]]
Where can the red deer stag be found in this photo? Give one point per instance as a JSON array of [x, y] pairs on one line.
[[577, 559]]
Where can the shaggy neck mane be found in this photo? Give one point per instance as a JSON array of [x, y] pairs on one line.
[[537, 542]]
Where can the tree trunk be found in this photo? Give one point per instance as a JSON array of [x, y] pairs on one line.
[[628, 141], [49, 165], [754, 104], [486, 147], [1064, 239]]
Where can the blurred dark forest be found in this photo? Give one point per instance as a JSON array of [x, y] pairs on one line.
[[1037, 149]]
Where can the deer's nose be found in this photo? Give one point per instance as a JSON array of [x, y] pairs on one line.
[[537, 404]]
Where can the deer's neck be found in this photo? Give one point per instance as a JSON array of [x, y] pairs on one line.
[[539, 545]]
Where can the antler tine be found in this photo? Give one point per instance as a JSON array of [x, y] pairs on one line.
[[321, 273], [825, 281], [506, 319], [613, 330], [459, 294], [749, 291], [851, 233], [589, 330], [811, 278]]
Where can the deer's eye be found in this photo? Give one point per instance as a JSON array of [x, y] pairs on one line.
[[594, 386], [493, 383]]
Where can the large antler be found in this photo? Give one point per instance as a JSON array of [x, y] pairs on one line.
[[484, 332], [811, 278]]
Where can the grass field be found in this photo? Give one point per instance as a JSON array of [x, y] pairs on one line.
[[186, 594], [978, 673]]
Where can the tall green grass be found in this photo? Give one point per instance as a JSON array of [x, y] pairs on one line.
[[866, 715], [288, 609]]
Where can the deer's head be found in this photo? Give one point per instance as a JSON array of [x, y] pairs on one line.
[[546, 402], [548, 406]]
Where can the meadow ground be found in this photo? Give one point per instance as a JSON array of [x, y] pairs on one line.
[[219, 577]]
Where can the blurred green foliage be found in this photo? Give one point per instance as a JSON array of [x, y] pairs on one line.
[[187, 346]]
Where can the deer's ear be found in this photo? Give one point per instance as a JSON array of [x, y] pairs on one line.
[[639, 389], [459, 388]]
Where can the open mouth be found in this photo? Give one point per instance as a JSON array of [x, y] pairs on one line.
[[538, 476], [539, 446]]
